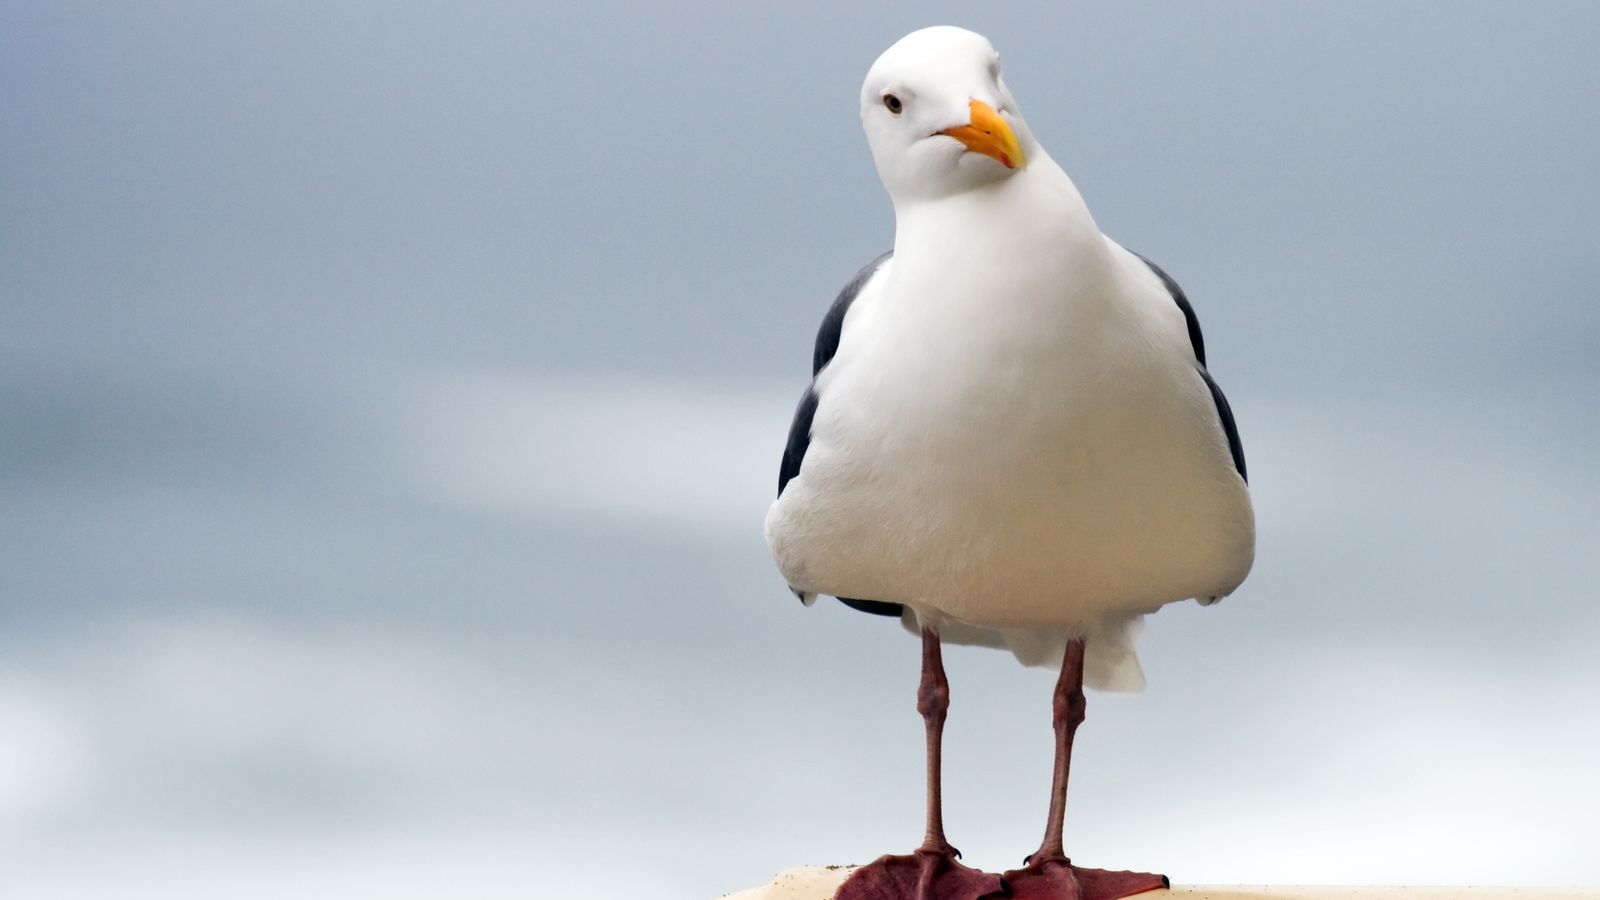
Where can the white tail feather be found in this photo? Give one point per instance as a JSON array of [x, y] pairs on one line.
[[1110, 661]]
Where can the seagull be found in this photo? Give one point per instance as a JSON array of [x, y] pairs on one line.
[[1011, 438]]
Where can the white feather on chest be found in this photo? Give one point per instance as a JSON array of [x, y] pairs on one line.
[[1012, 432]]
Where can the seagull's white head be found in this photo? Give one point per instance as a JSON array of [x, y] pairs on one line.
[[939, 118]]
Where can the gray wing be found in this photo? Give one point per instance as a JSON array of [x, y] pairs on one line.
[[1198, 342], [794, 452]]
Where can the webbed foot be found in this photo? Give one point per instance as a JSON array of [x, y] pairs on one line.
[[923, 875], [1059, 879]]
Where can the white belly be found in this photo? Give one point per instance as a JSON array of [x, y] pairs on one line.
[[1016, 466]]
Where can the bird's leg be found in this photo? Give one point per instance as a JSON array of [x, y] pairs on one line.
[[932, 872], [1067, 707], [1048, 874], [933, 701]]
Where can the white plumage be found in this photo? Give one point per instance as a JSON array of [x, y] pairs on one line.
[[1014, 439]]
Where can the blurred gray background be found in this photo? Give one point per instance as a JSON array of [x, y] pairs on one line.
[[391, 393]]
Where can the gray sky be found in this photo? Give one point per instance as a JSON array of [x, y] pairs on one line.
[[390, 395]]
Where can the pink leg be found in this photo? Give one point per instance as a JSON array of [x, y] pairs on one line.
[[933, 701], [1048, 874], [1067, 708], [932, 872]]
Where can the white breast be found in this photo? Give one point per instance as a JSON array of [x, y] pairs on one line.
[[1013, 433]]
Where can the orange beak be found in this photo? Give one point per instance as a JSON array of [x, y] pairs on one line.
[[990, 135]]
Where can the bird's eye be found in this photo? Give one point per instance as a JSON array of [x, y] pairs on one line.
[[893, 103]]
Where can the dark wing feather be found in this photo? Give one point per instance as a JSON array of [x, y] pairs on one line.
[[1196, 340], [833, 323], [875, 607], [800, 429], [1224, 410], [799, 438], [827, 345]]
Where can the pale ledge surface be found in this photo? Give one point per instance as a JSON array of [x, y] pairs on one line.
[[820, 882]]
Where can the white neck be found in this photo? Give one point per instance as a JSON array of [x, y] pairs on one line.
[[1035, 215]]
